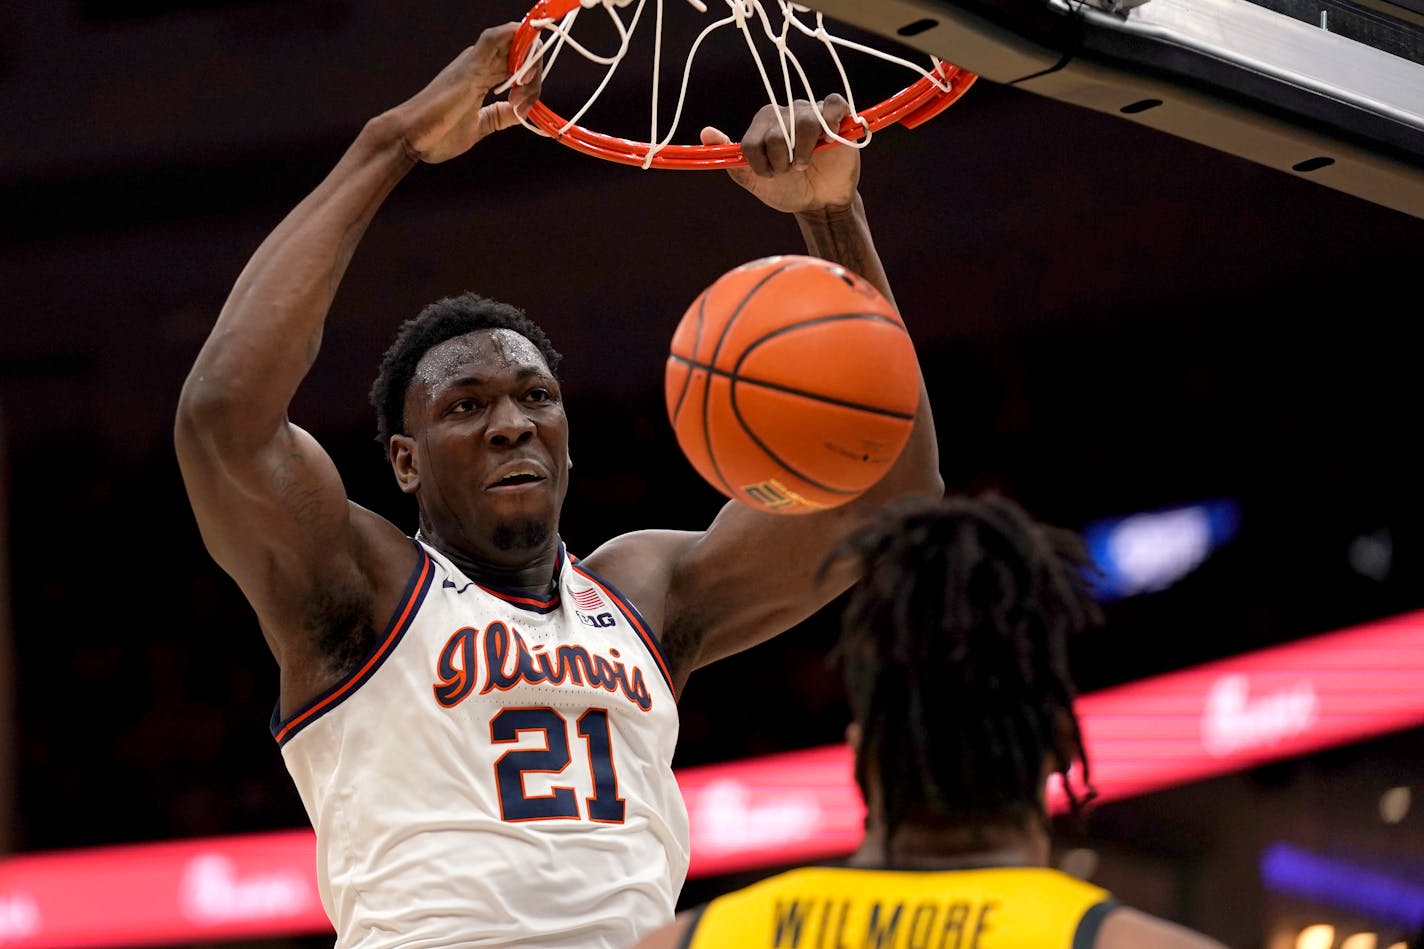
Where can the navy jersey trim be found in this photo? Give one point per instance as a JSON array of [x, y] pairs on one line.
[[635, 619], [518, 598], [416, 588], [1086, 935], [694, 917]]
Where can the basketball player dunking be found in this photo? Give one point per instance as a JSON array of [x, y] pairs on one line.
[[954, 649], [480, 724]]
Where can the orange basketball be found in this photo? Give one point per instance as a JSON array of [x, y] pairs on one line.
[[792, 384]]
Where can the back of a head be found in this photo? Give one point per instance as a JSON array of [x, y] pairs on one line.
[[954, 648]]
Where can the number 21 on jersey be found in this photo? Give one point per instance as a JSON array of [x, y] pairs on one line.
[[515, 803]]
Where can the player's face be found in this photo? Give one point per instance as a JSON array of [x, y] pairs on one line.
[[491, 445]]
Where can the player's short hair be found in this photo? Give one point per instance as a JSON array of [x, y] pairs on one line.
[[442, 320], [954, 650]]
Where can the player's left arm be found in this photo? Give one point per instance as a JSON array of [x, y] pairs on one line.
[[818, 187], [752, 575]]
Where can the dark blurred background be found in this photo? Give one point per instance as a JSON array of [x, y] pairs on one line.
[[1110, 320]]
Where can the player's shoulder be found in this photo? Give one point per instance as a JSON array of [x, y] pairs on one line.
[[639, 559], [642, 564], [1128, 928]]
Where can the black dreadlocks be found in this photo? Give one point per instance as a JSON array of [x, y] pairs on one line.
[[954, 649]]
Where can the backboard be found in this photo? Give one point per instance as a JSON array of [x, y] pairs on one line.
[[1329, 91]]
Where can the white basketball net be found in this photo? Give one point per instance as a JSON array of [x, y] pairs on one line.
[[744, 15]]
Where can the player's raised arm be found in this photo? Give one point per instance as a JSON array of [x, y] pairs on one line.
[[819, 187], [953, 651], [270, 504], [752, 574]]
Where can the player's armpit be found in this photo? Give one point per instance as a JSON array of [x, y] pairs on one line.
[[276, 519]]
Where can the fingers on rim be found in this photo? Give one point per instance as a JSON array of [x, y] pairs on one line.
[[808, 131], [778, 152], [757, 158], [765, 146], [754, 148], [526, 93], [835, 110], [779, 157], [501, 36]]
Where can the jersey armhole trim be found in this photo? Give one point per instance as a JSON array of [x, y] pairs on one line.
[[694, 917], [1086, 935], [416, 588]]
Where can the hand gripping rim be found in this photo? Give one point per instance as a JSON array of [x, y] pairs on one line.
[[912, 106]]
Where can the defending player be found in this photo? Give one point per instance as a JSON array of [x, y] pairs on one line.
[[954, 651], [480, 725]]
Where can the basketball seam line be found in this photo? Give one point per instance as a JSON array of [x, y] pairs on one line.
[[813, 321], [716, 350], [748, 349], [696, 342], [728, 374]]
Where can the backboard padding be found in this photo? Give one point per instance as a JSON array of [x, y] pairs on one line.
[[1228, 74]]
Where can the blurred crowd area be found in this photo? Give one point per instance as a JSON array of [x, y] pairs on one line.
[[145, 688]]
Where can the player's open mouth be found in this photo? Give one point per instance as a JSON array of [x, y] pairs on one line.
[[515, 477]]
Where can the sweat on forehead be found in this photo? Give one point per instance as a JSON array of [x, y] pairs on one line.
[[485, 349]]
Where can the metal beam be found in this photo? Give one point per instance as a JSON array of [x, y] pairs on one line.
[[1227, 74]]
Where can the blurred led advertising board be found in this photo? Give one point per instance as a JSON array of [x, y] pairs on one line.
[[775, 810]]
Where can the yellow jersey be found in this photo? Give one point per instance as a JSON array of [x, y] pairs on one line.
[[846, 908]]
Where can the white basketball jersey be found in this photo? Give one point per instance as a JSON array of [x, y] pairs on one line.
[[498, 772]]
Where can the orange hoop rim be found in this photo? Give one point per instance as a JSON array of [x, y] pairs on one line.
[[912, 106]]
